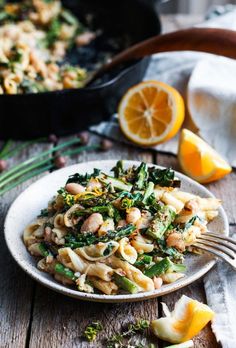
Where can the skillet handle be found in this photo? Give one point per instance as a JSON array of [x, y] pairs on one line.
[[211, 40]]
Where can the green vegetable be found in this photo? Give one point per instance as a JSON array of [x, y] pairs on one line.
[[17, 170], [64, 271], [6, 148], [117, 340], [161, 221], [187, 344], [83, 179], [143, 260], [118, 169], [142, 176], [148, 192], [190, 222], [53, 32], [107, 209], [91, 331], [8, 151], [177, 267], [163, 177], [130, 199], [24, 178], [117, 183], [125, 284], [68, 17], [164, 266], [159, 268], [86, 239], [44, 250], [44, 213], [97, 209]]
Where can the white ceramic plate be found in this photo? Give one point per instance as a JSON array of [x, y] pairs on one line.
[[29, 203]]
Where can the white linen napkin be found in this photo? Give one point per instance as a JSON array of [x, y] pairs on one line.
[[215, 77]]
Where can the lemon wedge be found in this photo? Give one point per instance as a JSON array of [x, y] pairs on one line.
[[187, 319], [150, 113], [199, 160]]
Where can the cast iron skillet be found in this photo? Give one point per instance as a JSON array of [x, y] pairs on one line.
[[68, 111]]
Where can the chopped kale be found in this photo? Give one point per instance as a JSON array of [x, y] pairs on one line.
[[89, 238], [163, 177], [44, 213], [118, 170], [83, 179]]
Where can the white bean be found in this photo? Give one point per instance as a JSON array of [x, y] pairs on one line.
[[133, 215], [121, 223], [92, 223], [74, 188]]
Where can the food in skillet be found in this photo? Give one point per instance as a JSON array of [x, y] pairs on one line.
[[123, 233], [35, 36]]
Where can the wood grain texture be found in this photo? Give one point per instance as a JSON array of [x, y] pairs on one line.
[[16, 288], [59, 321]]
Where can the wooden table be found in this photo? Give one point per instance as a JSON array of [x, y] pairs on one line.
[[33, 316]]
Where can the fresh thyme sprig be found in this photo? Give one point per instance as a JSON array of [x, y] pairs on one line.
[[118, 339], [92, 330]]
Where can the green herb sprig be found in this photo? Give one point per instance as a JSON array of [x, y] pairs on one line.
[[92, 330], [118, 339]]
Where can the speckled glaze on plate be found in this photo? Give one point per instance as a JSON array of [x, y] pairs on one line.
[[29, 203]]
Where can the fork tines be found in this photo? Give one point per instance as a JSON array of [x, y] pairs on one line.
[[219, 245]]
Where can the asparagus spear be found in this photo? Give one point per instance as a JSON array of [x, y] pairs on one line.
[[66, 272], [142, 175], [125, 284], [161, 221], [159, 268], [116, 183], [148, 192], [163, 266], [143, 260]]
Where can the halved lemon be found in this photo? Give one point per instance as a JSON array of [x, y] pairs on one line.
[[199, 160], [187, 319], [151, 113]]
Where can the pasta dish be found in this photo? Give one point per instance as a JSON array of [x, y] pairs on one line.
[[128, 232], [35, 36]]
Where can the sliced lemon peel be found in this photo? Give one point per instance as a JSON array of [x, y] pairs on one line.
[[187, 319]]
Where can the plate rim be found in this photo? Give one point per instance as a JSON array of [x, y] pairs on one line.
[[60, 288]]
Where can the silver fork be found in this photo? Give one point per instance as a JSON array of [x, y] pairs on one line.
[[221, 246]]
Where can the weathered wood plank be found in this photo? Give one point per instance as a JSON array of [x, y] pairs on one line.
[[117, 152], [59, 321], [16, 287]]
